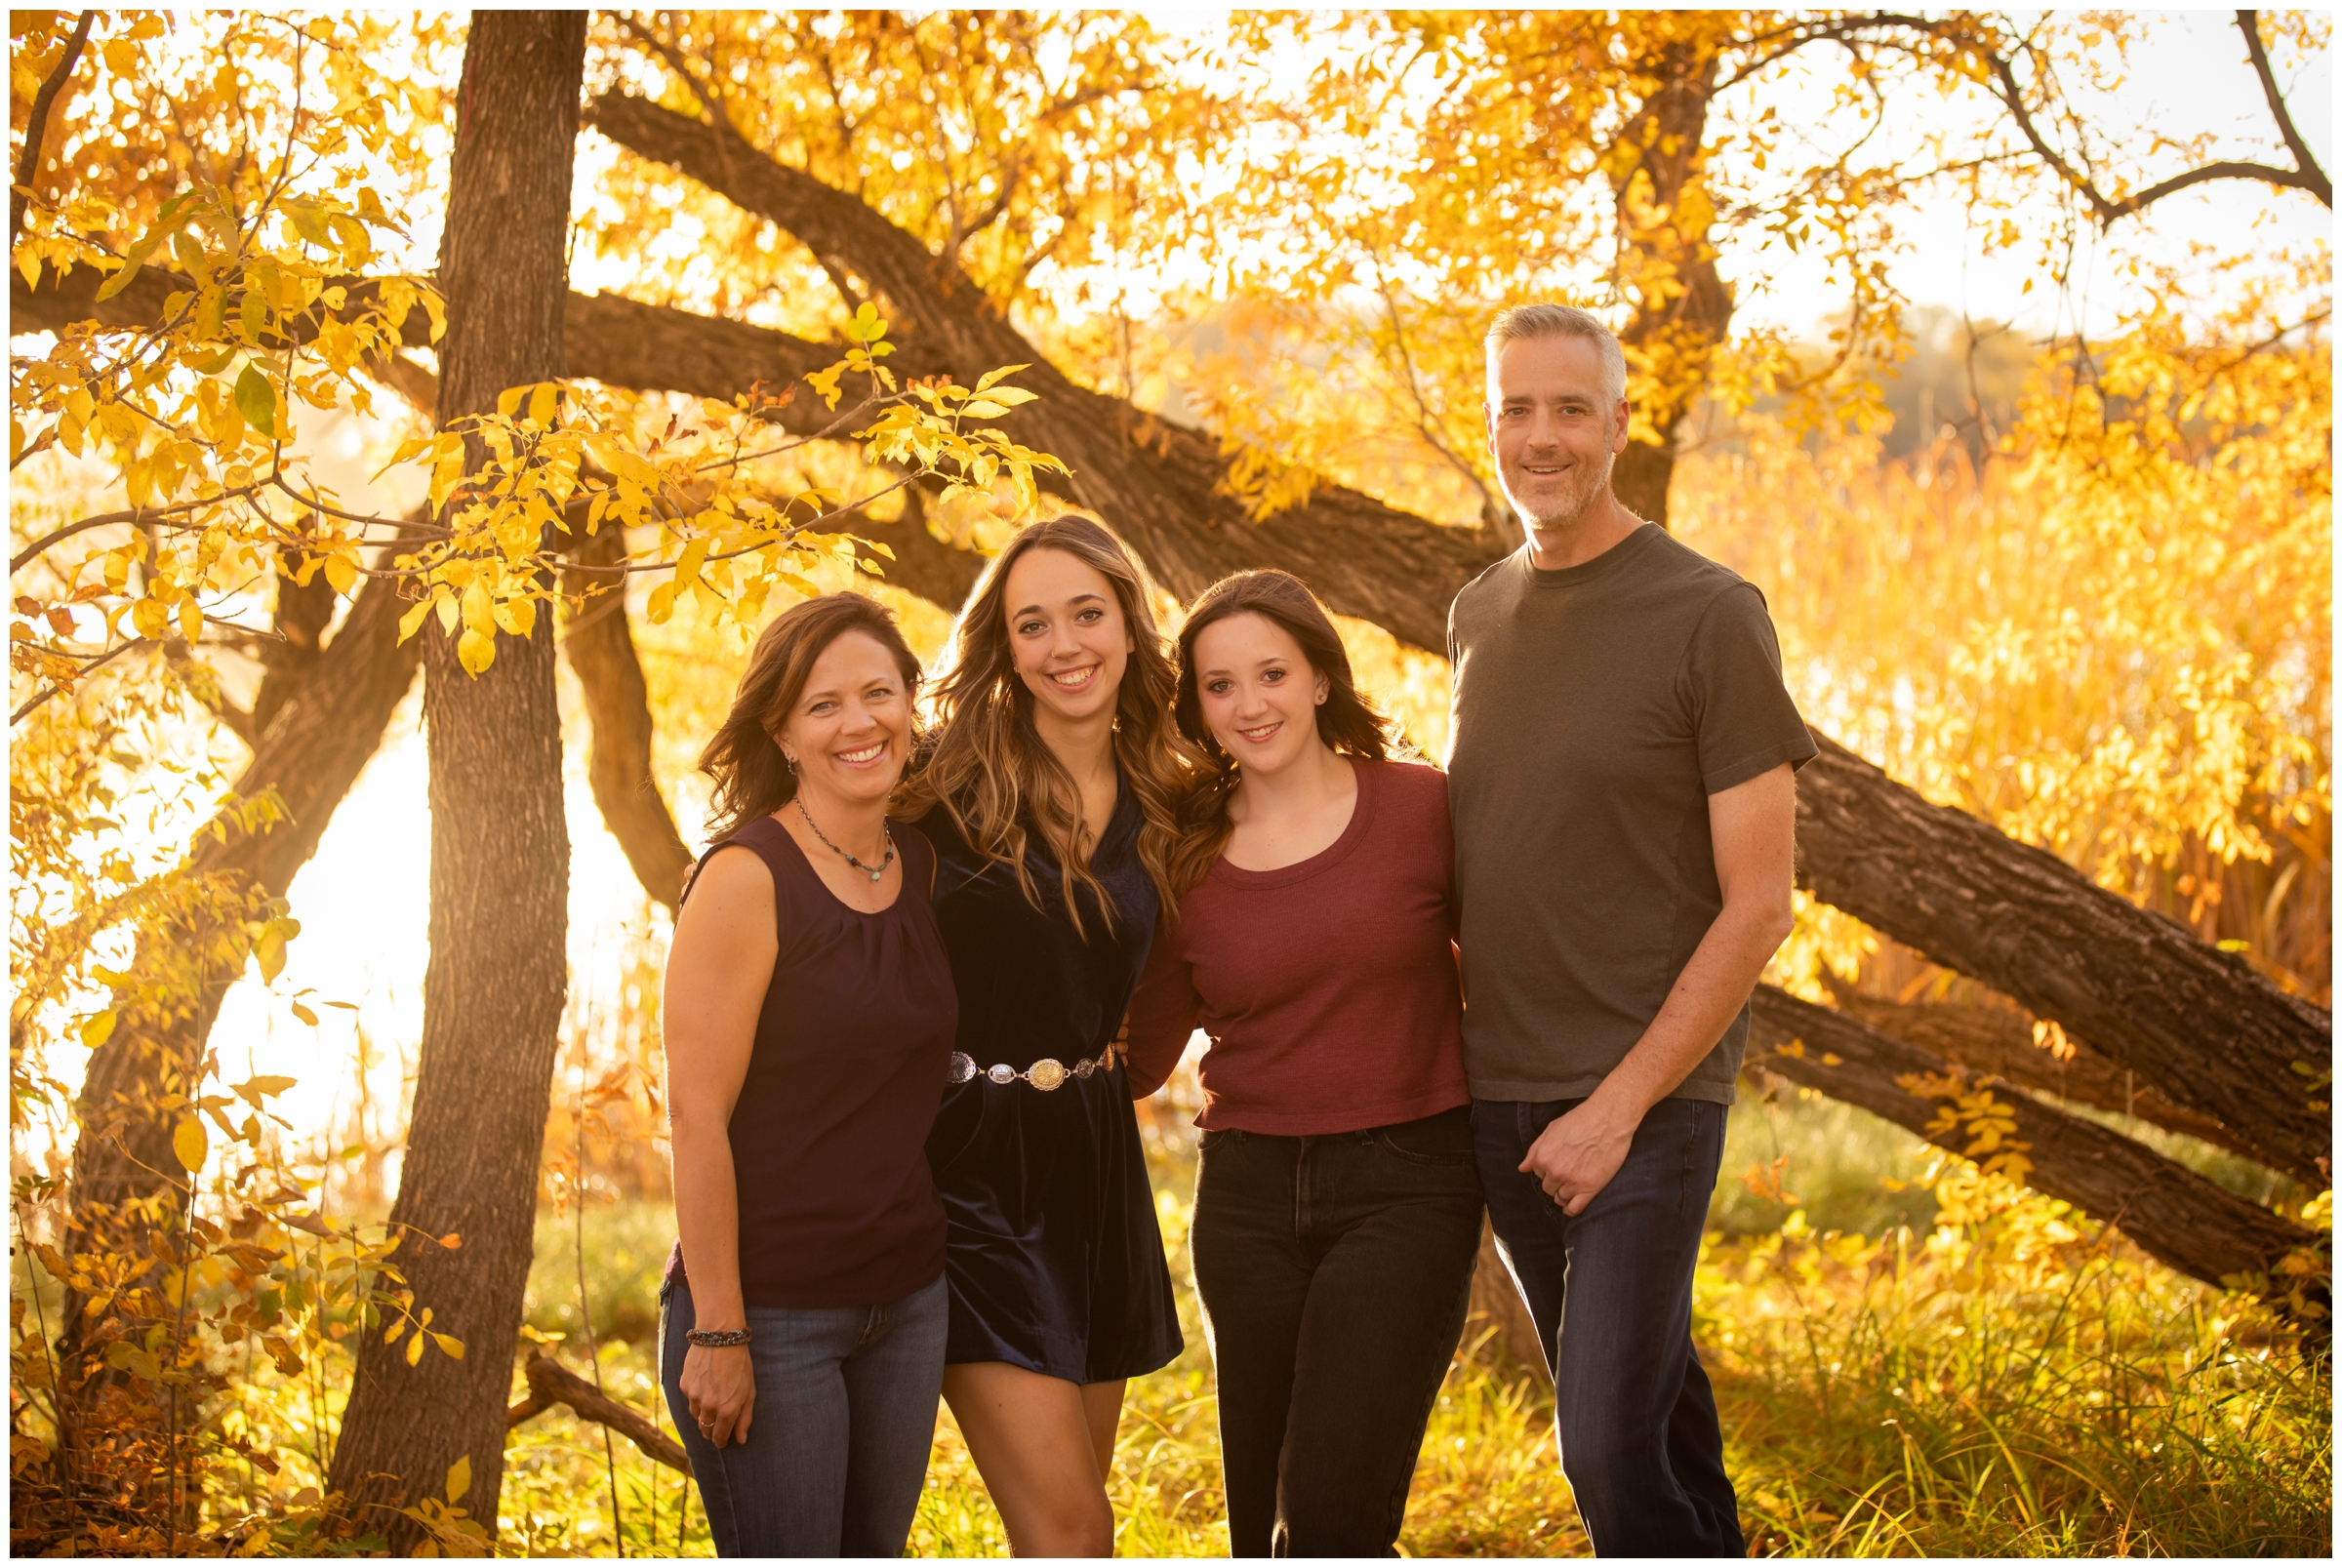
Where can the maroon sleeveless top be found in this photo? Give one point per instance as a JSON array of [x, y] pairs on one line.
[[838, 1207]]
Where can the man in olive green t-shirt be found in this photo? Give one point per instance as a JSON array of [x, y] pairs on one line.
[[1621, 782]]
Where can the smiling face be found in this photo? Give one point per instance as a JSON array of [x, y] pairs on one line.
[[850, 730], [1257, 693], [1066, 634], [1552, 428]]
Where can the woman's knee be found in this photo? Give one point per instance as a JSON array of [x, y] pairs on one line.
[[1075, 1526]]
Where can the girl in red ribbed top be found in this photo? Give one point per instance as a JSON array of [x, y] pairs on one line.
[[1338, 1205]]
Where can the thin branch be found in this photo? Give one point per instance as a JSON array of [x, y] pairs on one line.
[[2291, 180], [36, 128], [2272, 341], [31, 552], [1423, 414], [31, 703], [2249, 22]]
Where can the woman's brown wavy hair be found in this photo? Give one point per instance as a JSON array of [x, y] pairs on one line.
[[988, 766], [1347, 722], [752, 778]]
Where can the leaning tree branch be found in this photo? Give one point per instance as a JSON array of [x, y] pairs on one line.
[[326, 727], [36, 125], [1164, 485], [1997, 1043], [2198, 1023], [2175, 1215]]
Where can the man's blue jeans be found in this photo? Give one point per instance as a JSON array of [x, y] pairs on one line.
[[838, 1437], [1610, 1291]]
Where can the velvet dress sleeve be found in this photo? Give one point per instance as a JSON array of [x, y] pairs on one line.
[[1163, 1014]]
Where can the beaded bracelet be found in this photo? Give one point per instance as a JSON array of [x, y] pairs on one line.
[[717, 1338]]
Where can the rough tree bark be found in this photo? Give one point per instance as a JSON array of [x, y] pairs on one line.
[[2214, 1035], [618, 763], [1997, 1043], [500, 849], [2174, 1215], [2196, 1023]]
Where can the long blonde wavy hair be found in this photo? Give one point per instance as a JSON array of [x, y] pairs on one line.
[[987, 767]]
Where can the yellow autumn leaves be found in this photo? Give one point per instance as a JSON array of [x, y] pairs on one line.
[[562, 459]]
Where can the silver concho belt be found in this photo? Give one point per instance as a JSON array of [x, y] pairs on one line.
[[1045, 1074]]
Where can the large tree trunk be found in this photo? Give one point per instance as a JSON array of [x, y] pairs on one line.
[[2196, 1023], [2175, 1215], [500, 847]]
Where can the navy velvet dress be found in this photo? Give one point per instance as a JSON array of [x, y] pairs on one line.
[[1052, 1253]]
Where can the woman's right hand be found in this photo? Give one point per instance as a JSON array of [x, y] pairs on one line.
[[720, 1387]]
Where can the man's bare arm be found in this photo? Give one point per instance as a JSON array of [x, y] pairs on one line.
[[1755, 828]]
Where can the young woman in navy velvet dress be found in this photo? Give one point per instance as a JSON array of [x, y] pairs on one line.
[[1049, 796]]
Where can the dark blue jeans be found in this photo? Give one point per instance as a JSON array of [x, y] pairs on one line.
[[1611, 1290], [1335, 1270], [838, 1437]]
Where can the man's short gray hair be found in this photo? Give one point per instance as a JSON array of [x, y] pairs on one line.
[[1532, 321]]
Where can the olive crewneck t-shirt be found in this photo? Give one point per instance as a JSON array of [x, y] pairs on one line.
[[1595, 710]]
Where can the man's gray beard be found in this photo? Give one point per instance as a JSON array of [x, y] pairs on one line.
[[1576, 508]]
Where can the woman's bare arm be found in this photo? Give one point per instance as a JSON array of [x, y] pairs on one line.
[[717, 971]]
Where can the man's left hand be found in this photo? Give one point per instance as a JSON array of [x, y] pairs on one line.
[[1578, 1154]]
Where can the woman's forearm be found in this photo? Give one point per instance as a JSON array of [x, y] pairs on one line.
[[708, 1219]]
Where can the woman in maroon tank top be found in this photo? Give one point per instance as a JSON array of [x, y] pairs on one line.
[[809, 1019]]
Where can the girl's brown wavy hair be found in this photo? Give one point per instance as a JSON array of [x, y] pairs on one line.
[[1347, 722], [752, 778], [987, 767]]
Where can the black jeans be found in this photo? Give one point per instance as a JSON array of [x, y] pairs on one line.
[[1611, 1290], [1335, 1270]]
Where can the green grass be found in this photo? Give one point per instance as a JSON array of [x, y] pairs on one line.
[[2011, 1381], [2015, 1383]]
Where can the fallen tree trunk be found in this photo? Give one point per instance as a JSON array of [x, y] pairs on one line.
[[2175, 1215], [1997, 1043], [2196, 1023]]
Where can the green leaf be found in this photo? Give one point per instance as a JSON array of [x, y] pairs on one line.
[[256, 400]]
